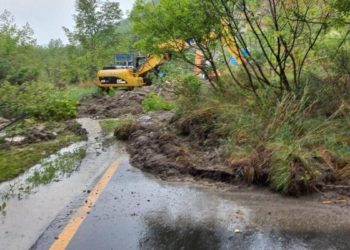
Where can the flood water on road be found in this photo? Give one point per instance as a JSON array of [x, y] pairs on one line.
[[28, 217], [137, 211]]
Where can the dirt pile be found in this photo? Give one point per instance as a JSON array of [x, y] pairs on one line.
[[170, 146], [44, 132], [121, 103], [155, 147]]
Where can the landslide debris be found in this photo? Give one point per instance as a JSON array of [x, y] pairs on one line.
[[155, 147], [121, 103], [173, 147]]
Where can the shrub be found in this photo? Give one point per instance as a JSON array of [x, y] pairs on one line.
[[40, 100], [299, 148], [153, 102]]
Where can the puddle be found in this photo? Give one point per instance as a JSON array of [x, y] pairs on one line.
[[64, 184], [52, 169]]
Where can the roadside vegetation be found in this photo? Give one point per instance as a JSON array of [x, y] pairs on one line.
[[154, 102], [283, 112], [275, 102], [42, 86]]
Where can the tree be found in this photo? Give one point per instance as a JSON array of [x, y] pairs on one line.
[[170, 21], [279, 35], [16, 50], [95, 31]]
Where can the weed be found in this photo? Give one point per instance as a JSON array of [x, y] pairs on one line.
[[16, 160], [153, 102], [124, 128], [79, 92], [64, 165], [273, 141], [109, 125]]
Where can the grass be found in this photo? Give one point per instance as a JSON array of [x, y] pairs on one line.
[[108, 125], [79, 92], [124, 128], [153, 102], [306, 150], [120, 127], [64, 165], [16, 160]]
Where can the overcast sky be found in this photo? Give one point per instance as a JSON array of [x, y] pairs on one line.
[[47, 17]]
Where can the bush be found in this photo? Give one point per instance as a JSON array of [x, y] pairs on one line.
[[39, 100], [153, 102], [285, 143]]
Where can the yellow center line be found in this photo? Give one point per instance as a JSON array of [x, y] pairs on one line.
[[74, 224]]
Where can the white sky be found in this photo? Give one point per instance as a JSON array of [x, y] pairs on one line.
[[46, 17]]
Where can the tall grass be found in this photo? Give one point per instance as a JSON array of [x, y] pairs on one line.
[[305, 149]]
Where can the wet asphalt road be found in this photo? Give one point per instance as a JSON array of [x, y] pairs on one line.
[[137, 211]]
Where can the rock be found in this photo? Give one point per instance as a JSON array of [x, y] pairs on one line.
[[144, 120], [16, 139]]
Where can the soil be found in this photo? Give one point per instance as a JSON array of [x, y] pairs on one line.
[[155, 147], [169, 149], [123, 102], [44, 132], [105, 106]]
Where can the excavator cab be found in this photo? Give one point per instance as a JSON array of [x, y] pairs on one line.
[[124, 61]]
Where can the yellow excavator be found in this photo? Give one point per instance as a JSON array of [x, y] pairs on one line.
[[131, 70]]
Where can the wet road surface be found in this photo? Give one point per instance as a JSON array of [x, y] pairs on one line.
[[137, 211], [27, 218]]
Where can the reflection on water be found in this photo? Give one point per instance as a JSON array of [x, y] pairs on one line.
[[180, 233], [52, 169], [183, 232]]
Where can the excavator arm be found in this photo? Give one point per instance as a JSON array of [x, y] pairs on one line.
[[151, 63], [136, 77]]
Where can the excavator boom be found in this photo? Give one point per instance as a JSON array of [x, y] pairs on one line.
[[135, 75]]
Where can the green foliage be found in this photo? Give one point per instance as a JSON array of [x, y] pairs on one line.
[[95, 34], [77, 93], [342, 5], [189, 87], [168, 21], [17, 61], [303, 148], [40, 100], [154, 102]]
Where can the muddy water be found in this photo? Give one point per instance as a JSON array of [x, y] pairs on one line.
[[138, 211], [27, 219]]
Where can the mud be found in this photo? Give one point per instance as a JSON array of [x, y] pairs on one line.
[[121, 103], [44, 132], [44, 202], [174, 147], [155, 147]]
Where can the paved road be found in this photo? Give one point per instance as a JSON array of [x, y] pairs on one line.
[[137, 211]]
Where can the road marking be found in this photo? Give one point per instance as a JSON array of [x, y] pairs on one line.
[[74, 224]]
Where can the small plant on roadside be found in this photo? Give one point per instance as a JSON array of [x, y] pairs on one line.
[[153, 102], [124, 128], [109, 125]]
